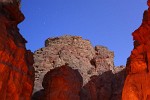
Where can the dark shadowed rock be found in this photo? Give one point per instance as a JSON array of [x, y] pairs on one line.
[[107, 86]]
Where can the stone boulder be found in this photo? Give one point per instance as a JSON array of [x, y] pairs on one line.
[[107, 86], [61, 83]]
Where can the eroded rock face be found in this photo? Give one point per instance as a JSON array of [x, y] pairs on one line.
[[77, 53], [16, 71], [101, 80], [138, 65]]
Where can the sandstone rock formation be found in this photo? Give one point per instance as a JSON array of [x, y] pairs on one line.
[[138, 65], [100, 78], [61, 83], [107, 86], [16, 71], [77, 53]]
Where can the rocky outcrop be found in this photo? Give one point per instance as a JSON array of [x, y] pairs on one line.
[[138, 65], [16, 71], [61, 83], [100, 78], [107, 86], [77, 53]]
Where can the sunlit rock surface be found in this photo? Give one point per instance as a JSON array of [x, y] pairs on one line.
[[137, 84], [94, 64], [16, 71]]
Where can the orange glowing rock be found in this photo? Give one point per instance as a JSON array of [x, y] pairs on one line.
[[16, 71], [137, 86], [148, 2]]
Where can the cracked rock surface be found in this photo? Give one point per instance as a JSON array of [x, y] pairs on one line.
[[95, 65]]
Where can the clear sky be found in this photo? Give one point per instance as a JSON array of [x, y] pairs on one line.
[[103, 22]]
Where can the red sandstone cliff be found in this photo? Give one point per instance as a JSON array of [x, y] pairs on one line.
[[16, 71], [137, 84]]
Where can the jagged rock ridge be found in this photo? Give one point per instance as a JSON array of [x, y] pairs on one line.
[[77, 53], [94, 65]]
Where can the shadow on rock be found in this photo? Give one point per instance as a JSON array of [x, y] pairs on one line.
[[107, 86]]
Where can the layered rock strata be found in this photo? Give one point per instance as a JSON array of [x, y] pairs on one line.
[[138, 65], [95, 65], [16, 71]]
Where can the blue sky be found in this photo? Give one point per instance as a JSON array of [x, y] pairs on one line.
[[103, 22]]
